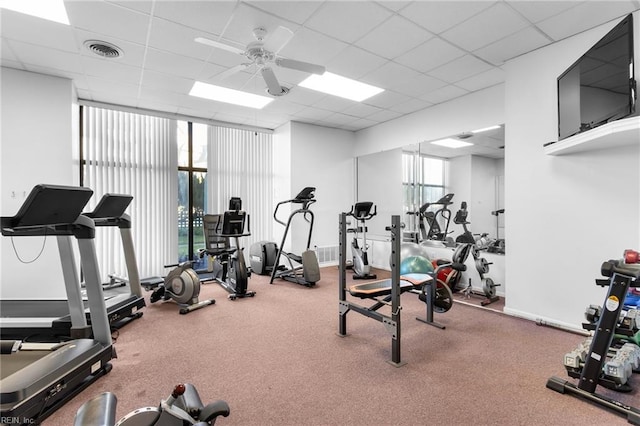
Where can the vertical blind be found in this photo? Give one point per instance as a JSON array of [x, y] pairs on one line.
[[133, 154], [240, 164]]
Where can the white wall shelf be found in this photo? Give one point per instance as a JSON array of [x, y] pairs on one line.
[[617, 133]]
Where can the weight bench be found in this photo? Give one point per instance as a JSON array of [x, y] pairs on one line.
[[384, 292], [373, 289]]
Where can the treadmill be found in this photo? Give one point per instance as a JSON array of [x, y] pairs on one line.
[[36, 379], [50, 320]]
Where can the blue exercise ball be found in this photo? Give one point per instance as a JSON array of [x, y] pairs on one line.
[[416, 265]]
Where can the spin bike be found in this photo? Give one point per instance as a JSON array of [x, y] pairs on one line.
[[228, 262], [361, 212], [182, 285], [182, 407], [308, 271]]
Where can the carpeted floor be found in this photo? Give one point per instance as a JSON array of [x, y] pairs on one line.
[[277, 360]]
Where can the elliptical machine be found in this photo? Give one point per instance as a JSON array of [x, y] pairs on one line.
[[432, 230], [182, 285], [307, 272], [361, 211], [227, 261], [182, 407]]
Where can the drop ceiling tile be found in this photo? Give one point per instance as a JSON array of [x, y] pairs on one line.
[[354, 62], [536, 11], [171, 37], [460, 68], [347, 21], [209, 16], [483, 80], [140, 6], [417, 85], [488, 26], [311, 46], [111, 70], [282, 106], [28, 29], [394, 37], [171, 83], [209, 72], [387, 99], [430, 55], [334, 103], [246, 18], [108, 19], [438, 16], [294, 11], [511, 46], [362, 123], [105, 89], [338, 119], [384, 115], [584, 16], [170, 63], [389, 74], [443, 94], [362, 110], [412, 105], [31, 54], [312, 114]]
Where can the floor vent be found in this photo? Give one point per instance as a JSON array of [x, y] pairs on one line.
[[327, 255]]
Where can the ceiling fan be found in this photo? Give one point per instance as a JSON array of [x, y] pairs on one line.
[[263, 53]]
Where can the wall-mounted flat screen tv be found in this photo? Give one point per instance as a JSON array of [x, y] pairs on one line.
[[599, 87]]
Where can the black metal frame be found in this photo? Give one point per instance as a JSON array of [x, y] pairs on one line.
[[622, 277], [391, 322], [218, 231], [294, 273]]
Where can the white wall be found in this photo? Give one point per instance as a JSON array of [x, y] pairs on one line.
[[36, 142], [565, 214], [323, 158]]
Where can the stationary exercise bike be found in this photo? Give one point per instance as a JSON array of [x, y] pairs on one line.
[[182, 407], [182, 285], [361, 212], [227, 261]]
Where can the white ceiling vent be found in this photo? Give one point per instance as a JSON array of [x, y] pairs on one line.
[[104, 49]]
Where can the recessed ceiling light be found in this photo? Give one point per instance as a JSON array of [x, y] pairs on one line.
[[230, 96], [336, 85], [451, 143], [52, 10], [485, 129]]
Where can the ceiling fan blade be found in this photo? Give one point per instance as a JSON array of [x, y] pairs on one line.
[[278, 39], [273, 85], [219, 45], [300, 66], [228, 73]]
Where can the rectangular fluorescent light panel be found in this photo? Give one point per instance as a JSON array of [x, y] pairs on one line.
[[451, 143], [51, 10], [229, 96], [343, 87], [485, 129]]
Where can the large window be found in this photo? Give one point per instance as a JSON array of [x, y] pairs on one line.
[[423, 181], [192, 190]]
